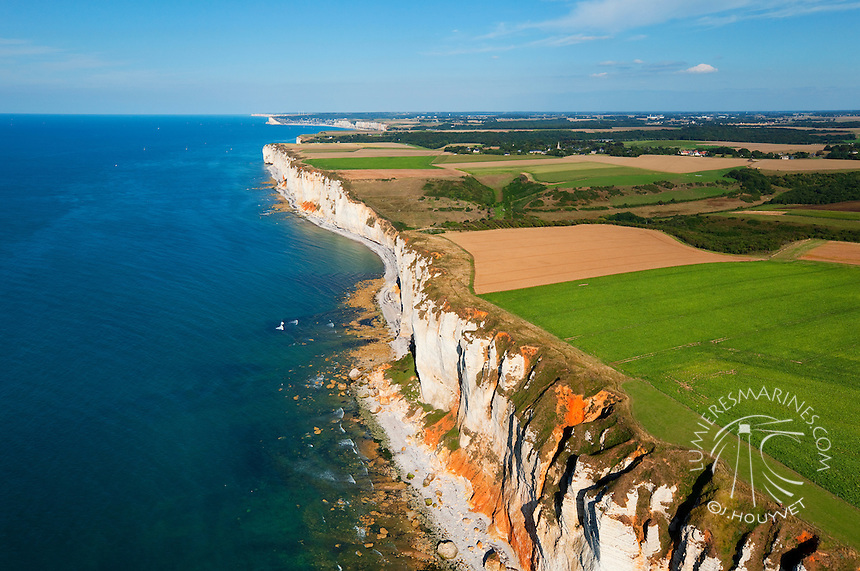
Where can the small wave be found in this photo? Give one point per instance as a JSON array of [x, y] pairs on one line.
[[338, 414]]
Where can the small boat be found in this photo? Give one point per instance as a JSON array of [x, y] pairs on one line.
[[280, 327]]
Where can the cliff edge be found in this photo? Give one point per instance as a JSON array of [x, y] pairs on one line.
[[542, 432]]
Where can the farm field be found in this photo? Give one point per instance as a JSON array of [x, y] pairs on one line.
[[509, 259], [841, 252], [381, 162], [696, 333], [585, 174], [445, 159], [681, 195]]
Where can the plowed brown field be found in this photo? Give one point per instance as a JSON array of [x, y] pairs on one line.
[[840, 252], [525, 257]]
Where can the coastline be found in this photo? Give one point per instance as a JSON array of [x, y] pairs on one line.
[[389, 302], [513, 412], [443, 498]]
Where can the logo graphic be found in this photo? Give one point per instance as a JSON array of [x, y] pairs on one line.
[[743, 428], [785, 424]]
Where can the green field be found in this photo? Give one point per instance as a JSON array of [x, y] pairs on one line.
[[832, 214], [572, 175], [478, 158], [360, 163], [682, 195], [696, 333]]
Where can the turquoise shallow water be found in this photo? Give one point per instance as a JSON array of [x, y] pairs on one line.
[[146, 398]]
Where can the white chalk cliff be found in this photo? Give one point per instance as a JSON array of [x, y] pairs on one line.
[[545, 438]]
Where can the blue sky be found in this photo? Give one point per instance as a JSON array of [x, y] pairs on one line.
[[542, 55]]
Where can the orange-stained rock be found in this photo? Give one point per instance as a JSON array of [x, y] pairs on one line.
[[433, 434], [309, 206], [488, 499], [529, 353], [503, 337], [805, 536], [471, 313], [573, 410]]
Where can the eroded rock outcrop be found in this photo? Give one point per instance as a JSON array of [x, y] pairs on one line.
[[540, 430]]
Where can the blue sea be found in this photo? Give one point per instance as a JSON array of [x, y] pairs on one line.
[[147, 399]]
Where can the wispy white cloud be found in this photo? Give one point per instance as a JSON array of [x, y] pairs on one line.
[[558, 41], [11, 47], [615, 16], [701, 68], [25, 62], [640, 67], [489, 47], [600, 75], [599, 18]]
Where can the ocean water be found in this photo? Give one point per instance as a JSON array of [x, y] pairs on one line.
[[147, 401]]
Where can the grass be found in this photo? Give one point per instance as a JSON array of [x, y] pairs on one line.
[[360, 163], [833, 214], [696, 333], [598, 174], [477, 158], [682, 195]]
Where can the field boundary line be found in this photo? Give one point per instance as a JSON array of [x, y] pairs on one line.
[[645, 355]]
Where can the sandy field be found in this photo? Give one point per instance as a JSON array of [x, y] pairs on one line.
[[839, 252], [526, 257]]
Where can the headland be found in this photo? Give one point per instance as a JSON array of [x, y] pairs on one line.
[[486, 411]]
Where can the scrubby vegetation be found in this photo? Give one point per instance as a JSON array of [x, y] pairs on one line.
[[738, 236], [468, 189], [817, 188]]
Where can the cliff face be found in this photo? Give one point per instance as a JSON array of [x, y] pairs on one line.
[[547, 442]]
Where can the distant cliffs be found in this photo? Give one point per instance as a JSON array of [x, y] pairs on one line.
[[540, 430]]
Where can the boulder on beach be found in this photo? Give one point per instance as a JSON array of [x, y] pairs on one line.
[[493, 562], [446, 549], [354, 374]]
